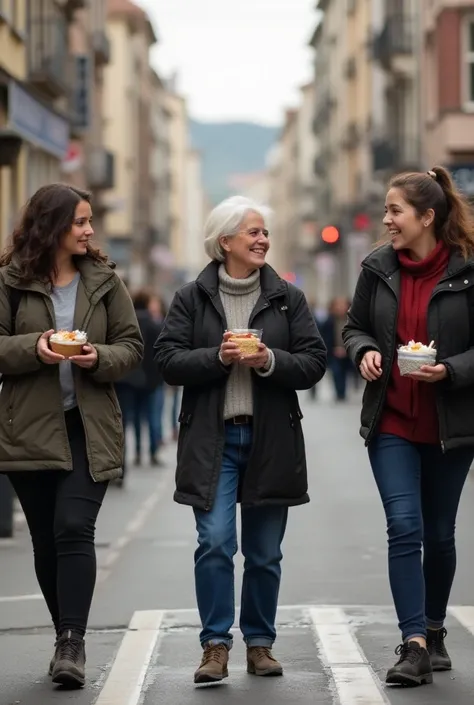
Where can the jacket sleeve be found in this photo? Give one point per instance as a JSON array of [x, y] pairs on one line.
[[17, 352], [124, 347], [357, 333], [460, 370], [180, 364], [304, 364]]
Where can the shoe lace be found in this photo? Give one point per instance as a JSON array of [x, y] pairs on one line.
[[407, 653], [69, 648], [437, 642], [261, 652], [214, 653]]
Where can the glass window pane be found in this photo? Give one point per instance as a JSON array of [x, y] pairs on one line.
[[470, 96]]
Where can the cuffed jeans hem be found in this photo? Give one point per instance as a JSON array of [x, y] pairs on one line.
[[414, 635], [216, 641], [433, 624], [259, 641]]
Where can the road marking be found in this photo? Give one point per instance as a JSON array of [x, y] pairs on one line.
[[132, 528], [127, 675], [465, 616], [21, 598], [355, 682]]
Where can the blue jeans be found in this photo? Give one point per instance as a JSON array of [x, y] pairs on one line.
[[420, 489], [139, 405], [263, 529]]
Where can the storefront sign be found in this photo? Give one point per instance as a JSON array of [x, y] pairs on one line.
[[35, 123]]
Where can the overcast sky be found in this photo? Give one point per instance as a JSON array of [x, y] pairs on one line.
[[236, 59]]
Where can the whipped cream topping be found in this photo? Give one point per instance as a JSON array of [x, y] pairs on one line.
[[66, 337], [417, 349]]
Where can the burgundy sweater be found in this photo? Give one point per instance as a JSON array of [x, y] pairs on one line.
[[410, 406]]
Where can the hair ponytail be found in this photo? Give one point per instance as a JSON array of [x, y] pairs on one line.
[[454, 217]]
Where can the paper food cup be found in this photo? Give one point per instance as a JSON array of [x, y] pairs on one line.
[[65, 349], [247, 339], [412, 362]]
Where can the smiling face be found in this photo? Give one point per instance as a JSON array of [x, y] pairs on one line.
[[75, 241], [246, 251], [407, 229]]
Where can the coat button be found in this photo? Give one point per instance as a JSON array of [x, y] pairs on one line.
[[466, 281], [450, 285]]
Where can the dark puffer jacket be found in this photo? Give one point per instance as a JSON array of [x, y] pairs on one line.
[[372, 325], [187, 352]]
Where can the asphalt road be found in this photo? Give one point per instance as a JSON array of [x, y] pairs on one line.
[[337, 628]]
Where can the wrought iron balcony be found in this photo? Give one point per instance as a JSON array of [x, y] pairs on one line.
[[48, 60], [101, 169], [395, 39]]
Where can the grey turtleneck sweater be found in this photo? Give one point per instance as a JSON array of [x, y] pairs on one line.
[[239, 297]]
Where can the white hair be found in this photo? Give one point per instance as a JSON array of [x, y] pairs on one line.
[[226, 219]]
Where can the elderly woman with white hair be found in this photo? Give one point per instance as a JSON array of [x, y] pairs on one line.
[[240, 437]]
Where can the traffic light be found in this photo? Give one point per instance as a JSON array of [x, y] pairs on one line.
[[330, 235]]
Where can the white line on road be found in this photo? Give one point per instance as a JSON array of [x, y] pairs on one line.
[[355, 682], [465, 616], [127, 675], [132, 528], [21, 598]]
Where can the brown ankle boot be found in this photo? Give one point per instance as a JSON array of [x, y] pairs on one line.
[[260, 662], [69, 667], [213, 665]]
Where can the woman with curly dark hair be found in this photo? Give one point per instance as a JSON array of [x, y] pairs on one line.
[[61, 437]]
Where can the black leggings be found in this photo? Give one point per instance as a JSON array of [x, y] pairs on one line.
[[61, 509]]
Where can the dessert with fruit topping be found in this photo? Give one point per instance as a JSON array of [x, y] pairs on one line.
[[413, 356], [68, 343], [247, 339]]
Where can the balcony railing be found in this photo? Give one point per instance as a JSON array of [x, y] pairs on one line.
[[48, 61], [101, 169], [101, 46], [395, 39], [394, 154]]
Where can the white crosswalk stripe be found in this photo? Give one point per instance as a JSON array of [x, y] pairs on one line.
[[339, 634]]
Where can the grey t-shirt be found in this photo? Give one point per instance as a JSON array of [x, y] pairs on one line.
[[64, 303]]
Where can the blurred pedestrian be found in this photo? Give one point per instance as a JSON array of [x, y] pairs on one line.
[[419, 428], [240, 435], [323, 322], [61, 436], [339, 362], [140, 392]]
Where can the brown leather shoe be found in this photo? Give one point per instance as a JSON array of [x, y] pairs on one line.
[[213, 665], [260, 662]]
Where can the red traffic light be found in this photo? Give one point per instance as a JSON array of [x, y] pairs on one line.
[[330, 234]]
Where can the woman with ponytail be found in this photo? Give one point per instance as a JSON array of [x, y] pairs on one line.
[[419, 427]]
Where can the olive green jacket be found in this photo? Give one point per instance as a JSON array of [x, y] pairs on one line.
[[33, 433]]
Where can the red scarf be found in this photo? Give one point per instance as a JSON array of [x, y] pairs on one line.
[[410, 406]]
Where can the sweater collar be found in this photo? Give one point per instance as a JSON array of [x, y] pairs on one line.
[[434, 263], [271, 284], [238, 287]]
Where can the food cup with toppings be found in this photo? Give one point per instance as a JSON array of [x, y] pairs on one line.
[[413, 356], [68, 343], [247, 339]]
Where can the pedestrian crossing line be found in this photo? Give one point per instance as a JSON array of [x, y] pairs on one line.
[[354, 679], [126, 678]]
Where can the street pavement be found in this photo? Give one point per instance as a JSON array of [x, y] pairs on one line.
[[337, 628]]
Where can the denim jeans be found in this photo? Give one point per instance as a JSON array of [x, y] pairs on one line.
[[138, 406], [420, 489], [263, 529]]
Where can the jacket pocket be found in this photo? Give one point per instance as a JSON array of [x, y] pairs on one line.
[[295, 418]]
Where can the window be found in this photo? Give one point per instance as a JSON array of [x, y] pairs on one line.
[[7, 8], [468, 60]]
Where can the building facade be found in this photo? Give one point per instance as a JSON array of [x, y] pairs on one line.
[[34, 127], [127, 133], [179, 146]]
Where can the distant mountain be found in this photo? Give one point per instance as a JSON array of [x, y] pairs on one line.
[[230, 148]]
